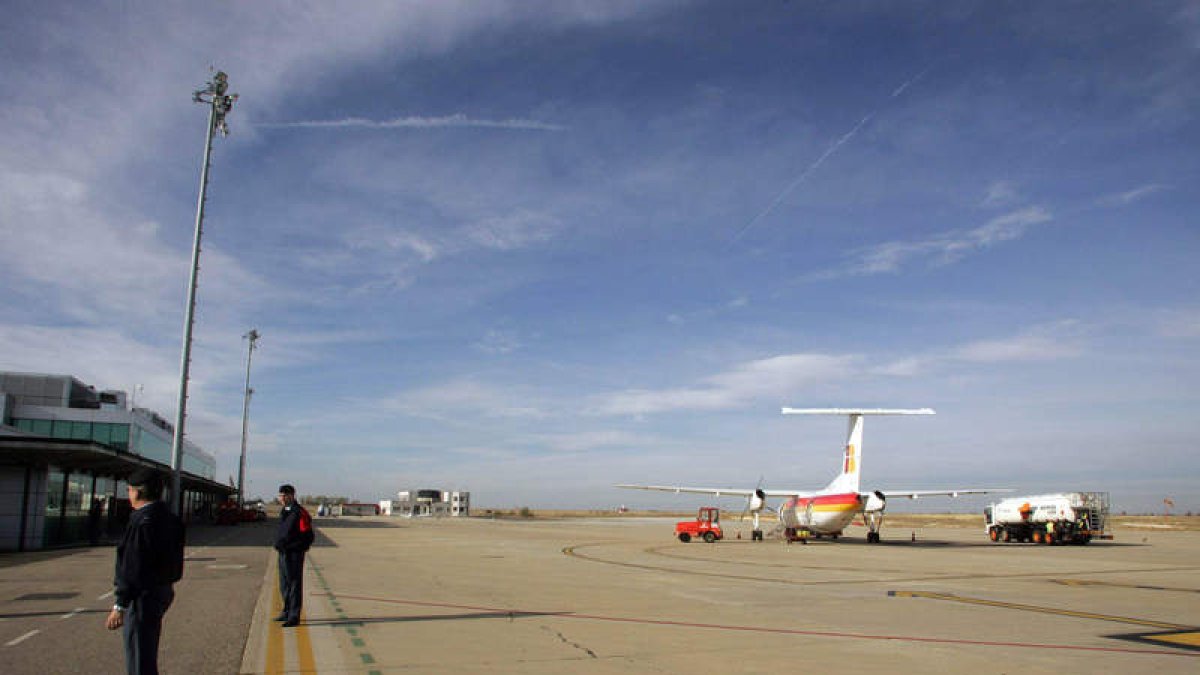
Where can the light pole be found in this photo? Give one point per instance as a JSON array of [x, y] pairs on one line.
[[252, 336], [219, 103]]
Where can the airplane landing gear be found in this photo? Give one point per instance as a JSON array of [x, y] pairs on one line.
[[874, 523]]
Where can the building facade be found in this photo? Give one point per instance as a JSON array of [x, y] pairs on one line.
[[65, 449], [438, 503]]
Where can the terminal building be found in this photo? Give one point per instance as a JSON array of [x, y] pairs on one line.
[[65, 449], [438, 503]]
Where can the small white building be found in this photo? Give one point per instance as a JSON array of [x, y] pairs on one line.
[[421, 503], [460, 503]]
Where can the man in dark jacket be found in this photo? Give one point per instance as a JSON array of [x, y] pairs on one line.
[[149, 561], [292, 541]]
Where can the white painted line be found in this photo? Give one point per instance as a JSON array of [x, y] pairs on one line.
[[71, 614], [21, 639], [106, 595]]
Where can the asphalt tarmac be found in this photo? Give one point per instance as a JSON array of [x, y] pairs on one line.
[[386, 595], [53, 605], [607, 595]]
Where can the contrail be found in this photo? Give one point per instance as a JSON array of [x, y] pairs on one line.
[[913, 80], [456, 120], [804, 174], [821, 160]]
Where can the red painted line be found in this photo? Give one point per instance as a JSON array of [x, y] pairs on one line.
[[783, 631]]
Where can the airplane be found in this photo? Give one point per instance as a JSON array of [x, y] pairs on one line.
[[830, 510]]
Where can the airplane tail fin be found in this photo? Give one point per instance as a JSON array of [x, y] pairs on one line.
[[848, 479]]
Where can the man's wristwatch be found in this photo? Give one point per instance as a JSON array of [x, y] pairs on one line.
[[118, 608]]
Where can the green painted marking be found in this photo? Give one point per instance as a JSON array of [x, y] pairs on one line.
[[367, 658]]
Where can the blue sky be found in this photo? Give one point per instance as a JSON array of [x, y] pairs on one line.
[[532, 249]]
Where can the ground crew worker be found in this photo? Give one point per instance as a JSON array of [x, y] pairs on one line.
[[149, 561], [293, 539]]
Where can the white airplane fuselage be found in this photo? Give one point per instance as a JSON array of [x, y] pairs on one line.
[[826, 514]]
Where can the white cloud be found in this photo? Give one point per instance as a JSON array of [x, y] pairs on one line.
[[1019, 348], [774, 378], [449, 121], [584, 441], [942, 249], [705, 313], [1130, 196], [425, 250], [1001, 193], [101, 357], [499, 342], [461, 399], [513, 231], [1050, 342], [98, 261]]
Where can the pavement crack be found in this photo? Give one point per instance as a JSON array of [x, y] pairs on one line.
[[565, 641]]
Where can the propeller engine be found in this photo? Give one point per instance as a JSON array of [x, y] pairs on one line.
[[873, 508], [876, 502], [755, 504]]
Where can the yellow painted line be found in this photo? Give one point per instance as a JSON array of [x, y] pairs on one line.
[[275, 664], [1191, 639], [276, 658], [1117, 584], [1035, 608], [304, 646]]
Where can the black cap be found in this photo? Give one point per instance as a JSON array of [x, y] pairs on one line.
[[286, 489], [144, 477]]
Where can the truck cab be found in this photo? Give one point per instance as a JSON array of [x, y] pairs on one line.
[[706, 526]]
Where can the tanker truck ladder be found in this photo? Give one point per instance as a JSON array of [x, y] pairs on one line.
[[1096, 505]]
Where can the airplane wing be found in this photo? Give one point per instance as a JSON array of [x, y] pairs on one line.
[[917, 494], [716, 492]]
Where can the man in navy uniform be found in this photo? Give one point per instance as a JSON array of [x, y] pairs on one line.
[[149, 562], [292, 541]]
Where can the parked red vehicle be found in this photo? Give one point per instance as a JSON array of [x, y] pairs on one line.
[[228, 513], [706, 526]]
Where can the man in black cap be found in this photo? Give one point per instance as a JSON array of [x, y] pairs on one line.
[[294, 538], [149, 562]]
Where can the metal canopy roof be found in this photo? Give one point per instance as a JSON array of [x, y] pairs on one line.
[[90, 456]]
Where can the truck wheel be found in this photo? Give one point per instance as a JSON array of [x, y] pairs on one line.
[[994, 533], [1050, 539], [685, 537], [709, 537], [1038, 536], [1008, 536]]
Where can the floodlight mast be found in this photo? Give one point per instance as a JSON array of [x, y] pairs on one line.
[[252, 336], [220, 103]]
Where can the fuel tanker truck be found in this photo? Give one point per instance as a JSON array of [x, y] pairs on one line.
[[1062, 518]]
